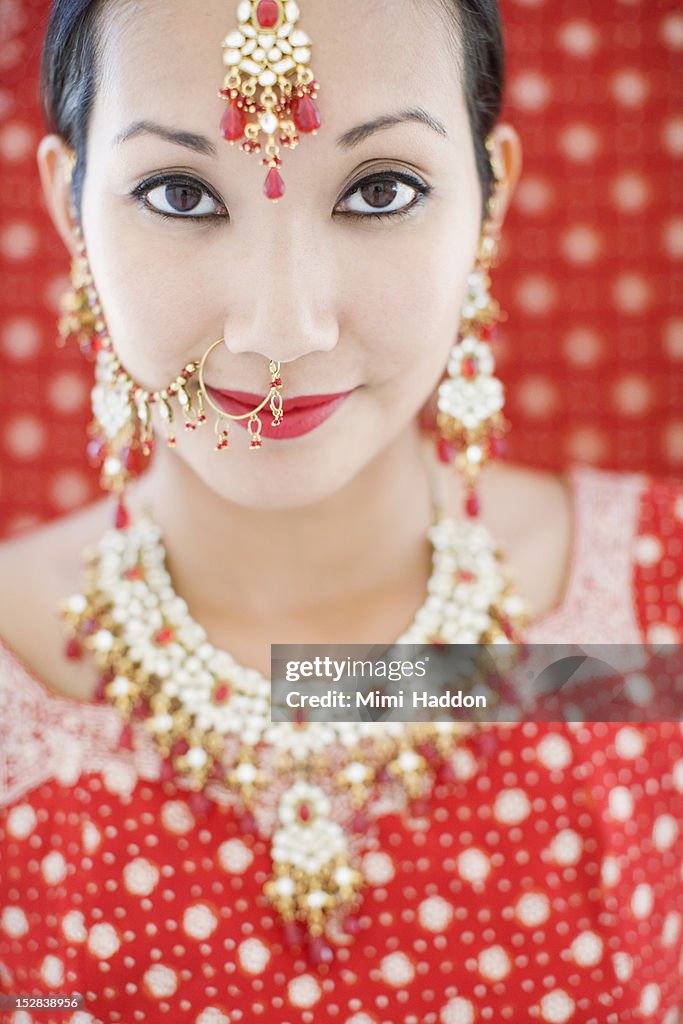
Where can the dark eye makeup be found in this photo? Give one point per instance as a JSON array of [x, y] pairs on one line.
[[184, 194]]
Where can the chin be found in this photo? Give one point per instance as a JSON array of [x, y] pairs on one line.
[[272, 478]]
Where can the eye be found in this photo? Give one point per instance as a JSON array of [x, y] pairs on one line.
[[183, 198], [384, 195]]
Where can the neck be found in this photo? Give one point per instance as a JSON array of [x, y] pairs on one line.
[[229, 560]]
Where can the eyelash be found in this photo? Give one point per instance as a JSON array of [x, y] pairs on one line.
[[140, 191]]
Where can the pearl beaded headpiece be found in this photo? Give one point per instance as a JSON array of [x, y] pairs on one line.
[[276, 96]]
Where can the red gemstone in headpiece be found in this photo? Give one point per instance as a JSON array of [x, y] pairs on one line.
[[306, 114], [233, 122], [274, 186], [267, 13]]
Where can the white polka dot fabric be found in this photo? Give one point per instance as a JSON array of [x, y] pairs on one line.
[[592, 351], [544, 884], [594, 239]]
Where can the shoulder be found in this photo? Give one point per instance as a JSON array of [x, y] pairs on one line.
[[41, 561], [636, 504], [38, 570], [30, 567], [658, 501], [632, 525]]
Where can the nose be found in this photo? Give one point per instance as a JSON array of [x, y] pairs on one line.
[[283, 307]]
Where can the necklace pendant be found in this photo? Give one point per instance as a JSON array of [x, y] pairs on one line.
[[313, 874]]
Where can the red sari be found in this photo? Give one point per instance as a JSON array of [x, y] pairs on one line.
[[544, 885]]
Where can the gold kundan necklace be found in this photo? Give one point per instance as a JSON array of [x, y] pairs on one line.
[[307, 786]]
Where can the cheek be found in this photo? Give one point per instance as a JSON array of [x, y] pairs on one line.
[[151, 297], [408, 307]]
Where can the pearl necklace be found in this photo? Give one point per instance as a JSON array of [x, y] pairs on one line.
[[210, 716]]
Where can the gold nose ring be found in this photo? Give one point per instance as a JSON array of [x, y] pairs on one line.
[[273, 399]]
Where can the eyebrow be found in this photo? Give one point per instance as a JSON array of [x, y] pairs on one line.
[[363, 131], [353, 137], [198, 143]]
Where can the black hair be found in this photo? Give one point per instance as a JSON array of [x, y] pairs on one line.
[[71, 59], [68, 78], [482, 45]]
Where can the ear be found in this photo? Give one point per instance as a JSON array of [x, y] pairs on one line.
[[55, 164], [505, 149]]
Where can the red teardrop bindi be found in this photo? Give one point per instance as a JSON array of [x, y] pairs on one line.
[[274, 186]]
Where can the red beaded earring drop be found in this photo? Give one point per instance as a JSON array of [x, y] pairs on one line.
[[119, 442], [471, 427]]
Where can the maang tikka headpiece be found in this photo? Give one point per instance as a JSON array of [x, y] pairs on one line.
[[273, 54]]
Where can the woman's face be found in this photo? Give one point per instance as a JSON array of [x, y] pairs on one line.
[[368, 304]]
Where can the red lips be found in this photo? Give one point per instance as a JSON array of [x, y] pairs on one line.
[[300, 402], [301, 414]]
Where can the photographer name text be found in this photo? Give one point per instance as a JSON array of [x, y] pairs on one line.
[[379, 699]]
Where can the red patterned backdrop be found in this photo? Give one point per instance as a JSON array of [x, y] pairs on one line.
[[591, 278]]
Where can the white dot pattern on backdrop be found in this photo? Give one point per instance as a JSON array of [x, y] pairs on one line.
[[589, 209], [548, 869]]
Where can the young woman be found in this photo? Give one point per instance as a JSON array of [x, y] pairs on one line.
[[197, 864]]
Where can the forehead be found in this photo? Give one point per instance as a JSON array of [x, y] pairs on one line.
[[163, 60]]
